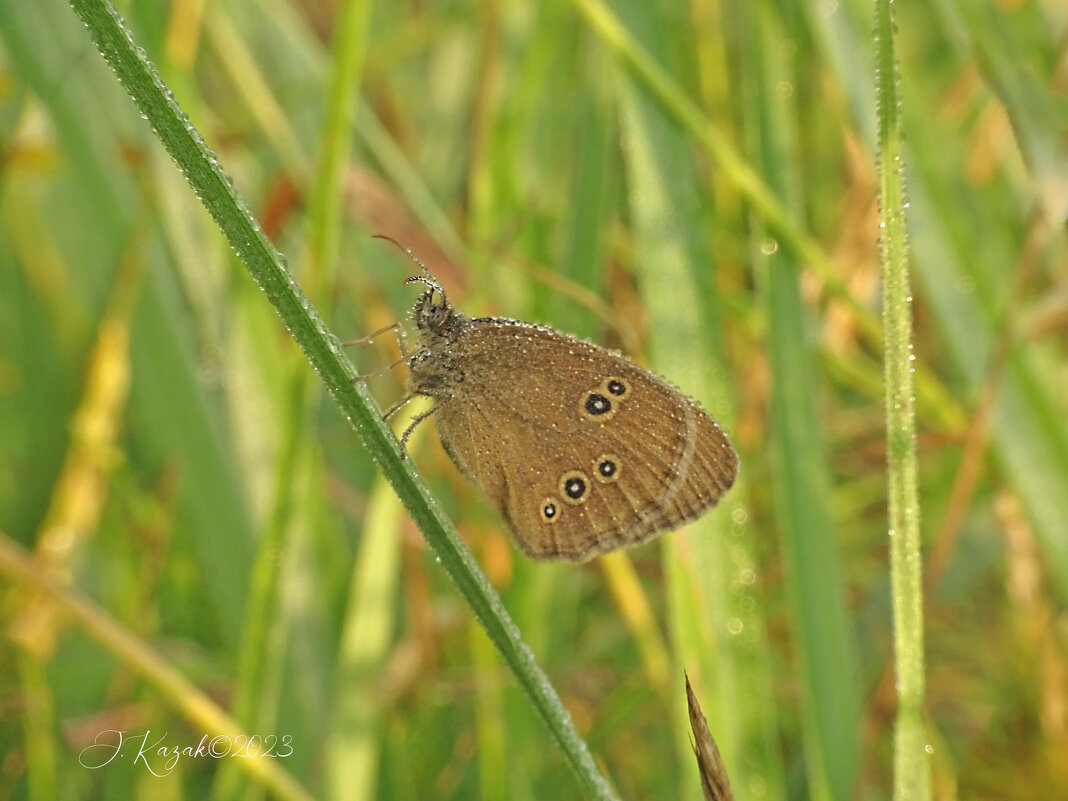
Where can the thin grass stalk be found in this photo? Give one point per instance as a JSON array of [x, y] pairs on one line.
[[911, 762]]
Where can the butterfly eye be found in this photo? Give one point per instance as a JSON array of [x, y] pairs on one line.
[[606, 468], [575, 486]]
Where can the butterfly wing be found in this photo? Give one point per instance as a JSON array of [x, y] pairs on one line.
[[581, 450]]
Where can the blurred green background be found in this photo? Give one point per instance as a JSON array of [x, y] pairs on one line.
[[165, 450]]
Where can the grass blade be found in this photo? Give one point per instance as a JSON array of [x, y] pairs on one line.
[[912, 770]]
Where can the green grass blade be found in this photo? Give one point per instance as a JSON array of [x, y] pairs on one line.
[[354, 750], [912, 767], [815, 578]]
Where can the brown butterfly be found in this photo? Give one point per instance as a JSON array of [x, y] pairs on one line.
[[581, 450]]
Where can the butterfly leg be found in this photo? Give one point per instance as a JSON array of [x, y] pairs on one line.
[[392, 410], [380, 370], [402, 342], [395, 327], [411, 426]]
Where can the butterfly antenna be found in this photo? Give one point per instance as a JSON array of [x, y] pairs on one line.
[[428, 277]]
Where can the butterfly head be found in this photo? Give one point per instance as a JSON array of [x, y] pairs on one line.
[[432, 312]]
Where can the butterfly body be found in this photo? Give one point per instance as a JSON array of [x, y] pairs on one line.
[[580, 449]]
